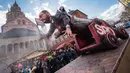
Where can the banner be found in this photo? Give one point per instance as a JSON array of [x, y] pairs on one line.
[[126, 3]]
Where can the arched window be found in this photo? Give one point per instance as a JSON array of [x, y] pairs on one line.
[[10, 48], [23, 21], [2, 51], [36, 44], [16, 48], [27, 45], [41, 44], [19, 21], [32, 44], [21, 45]]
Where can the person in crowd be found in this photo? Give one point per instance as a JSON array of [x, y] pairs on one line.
[[73, 53], [55, 62], [21, 70], [26, 70], [62, 57], [33, 69], [39, 68], [49, 57], [35, 61], [45, 64], [51, 63], [29, 69], [48, 65], [12, 67], [67, 56]]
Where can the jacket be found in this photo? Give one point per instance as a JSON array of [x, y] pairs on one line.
[[60, 21]]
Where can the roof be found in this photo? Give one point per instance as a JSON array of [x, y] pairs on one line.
[[35, 54], [73, 11], [18, 32]]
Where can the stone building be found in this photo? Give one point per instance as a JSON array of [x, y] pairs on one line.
[[19, 38], [78, 14]]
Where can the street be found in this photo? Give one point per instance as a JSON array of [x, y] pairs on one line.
[[128, 30]]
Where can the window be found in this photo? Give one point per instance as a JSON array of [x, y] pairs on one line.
[[32, 45], [36, 43], [23, 21], [19, 21], [21, 45], [10, 48], [27, 45], [3, 47], [41, 44], [16, 48], [3, 52]]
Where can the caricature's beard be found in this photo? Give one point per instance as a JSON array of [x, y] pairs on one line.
[[47, 20]]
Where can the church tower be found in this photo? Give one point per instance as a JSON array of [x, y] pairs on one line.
[[14, 12], [16, 19]]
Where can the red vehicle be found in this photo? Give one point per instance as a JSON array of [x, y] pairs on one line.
[[100, 35]]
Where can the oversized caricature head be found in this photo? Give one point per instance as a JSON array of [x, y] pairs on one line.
[[45, 16]]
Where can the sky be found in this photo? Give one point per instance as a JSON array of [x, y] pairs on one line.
[[31, 8]]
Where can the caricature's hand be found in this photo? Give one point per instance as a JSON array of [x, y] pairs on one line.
[[68, 31]]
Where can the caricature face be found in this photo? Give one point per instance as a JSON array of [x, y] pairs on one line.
[[42, 16]]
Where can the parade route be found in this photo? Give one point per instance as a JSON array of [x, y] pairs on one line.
[[100, 62]]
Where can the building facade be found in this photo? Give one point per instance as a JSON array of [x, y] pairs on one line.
[[19, 38], [16, 19]]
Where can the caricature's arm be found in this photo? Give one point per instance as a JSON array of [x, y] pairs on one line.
[[51, 30]]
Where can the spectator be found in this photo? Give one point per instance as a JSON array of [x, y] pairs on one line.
[[55, 62], [67, 56], [49, 64], [39, 68], [62, 57], [33, 69], [45, 66], [26, 70], [29, 69], [73, 53]]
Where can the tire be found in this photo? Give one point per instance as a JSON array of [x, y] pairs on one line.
[[122, 33], [110, 41]]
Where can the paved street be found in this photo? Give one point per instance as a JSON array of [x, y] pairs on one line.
[[128, 30], [101, 62]]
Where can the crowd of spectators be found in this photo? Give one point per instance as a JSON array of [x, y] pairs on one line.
[[49, 63]]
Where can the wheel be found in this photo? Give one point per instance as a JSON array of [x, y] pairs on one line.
[[110, 41], [122, 33]]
